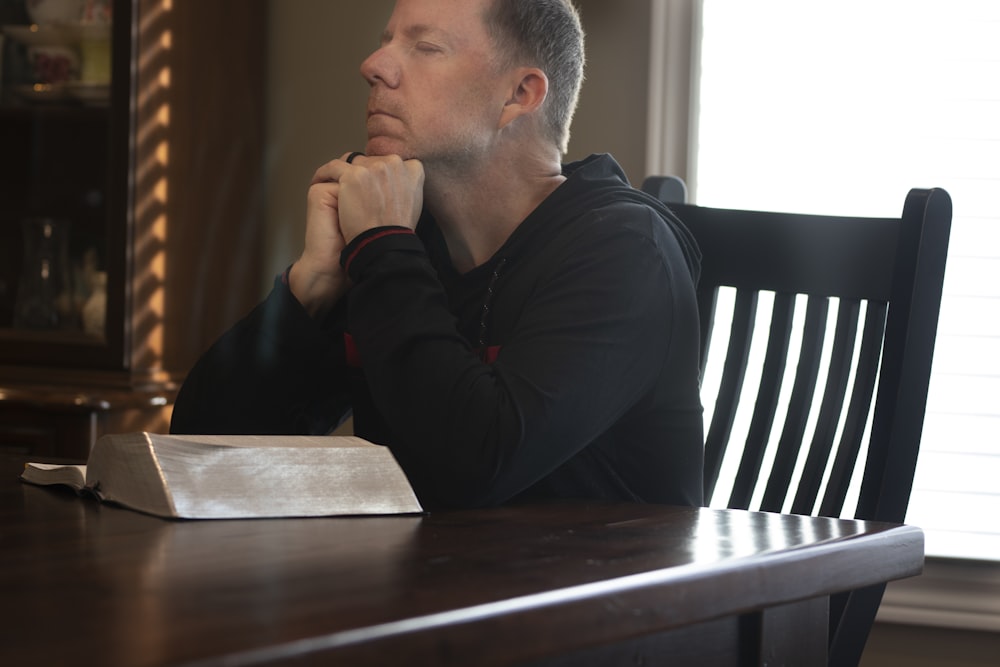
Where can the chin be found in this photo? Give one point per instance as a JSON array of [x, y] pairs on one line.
[[384, 146]]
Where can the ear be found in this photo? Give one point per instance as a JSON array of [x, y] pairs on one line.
[[530, 88]]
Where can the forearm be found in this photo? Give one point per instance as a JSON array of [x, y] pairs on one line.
[[276, 371], [446, 407], [317, 291]]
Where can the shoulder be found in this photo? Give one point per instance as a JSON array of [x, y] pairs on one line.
[[624, 228], [598, 199]]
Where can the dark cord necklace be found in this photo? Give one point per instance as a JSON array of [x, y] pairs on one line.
[[488, 304]]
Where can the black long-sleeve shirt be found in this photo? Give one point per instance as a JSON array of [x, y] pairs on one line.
[[566, 366]]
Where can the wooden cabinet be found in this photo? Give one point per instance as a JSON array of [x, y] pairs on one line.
[[149, 198]]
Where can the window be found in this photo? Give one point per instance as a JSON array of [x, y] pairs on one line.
[[799, 101]]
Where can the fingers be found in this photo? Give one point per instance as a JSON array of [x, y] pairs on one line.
[[334, 169], [317, 279], [369, 191]]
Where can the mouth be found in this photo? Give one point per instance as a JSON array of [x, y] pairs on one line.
[[381, 112]]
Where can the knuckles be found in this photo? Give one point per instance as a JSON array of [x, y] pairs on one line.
[[382, 171]]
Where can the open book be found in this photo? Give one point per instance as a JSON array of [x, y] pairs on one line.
[[238, 476]]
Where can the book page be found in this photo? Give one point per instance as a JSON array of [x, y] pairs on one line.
[[292, 478], [48, 473]]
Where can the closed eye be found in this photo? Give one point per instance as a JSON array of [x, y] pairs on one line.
[[427, 47]]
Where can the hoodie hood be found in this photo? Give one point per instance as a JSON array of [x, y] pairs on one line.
[[604, 181]]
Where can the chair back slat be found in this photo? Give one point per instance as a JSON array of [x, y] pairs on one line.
[[799, 404], [766, 405], [831, 408], [707, 299], [731, 386], [857, 411]]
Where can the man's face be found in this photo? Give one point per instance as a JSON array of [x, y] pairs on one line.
[[435, 95]]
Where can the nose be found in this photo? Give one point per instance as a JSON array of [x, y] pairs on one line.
[[381, 66]]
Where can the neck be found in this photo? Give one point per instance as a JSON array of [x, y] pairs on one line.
[[477, 210]]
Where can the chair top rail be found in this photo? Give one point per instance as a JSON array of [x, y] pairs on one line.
[[823, 255]]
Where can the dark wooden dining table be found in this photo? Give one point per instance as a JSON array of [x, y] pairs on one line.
[[559, 584]]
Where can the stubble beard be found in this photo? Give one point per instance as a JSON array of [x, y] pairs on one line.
[[457, 154]]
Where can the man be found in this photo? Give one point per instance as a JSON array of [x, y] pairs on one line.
[[512, 329]]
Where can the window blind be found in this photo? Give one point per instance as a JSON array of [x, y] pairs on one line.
[[841, 108]]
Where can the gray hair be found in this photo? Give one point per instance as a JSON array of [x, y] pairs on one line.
[[546, 34]]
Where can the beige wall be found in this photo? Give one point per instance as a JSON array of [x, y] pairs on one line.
[[317, 97], [611, 117], [316, 102]]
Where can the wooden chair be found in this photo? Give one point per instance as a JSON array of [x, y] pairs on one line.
[[803, 444]]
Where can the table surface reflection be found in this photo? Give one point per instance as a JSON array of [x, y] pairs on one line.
[[82, 580]]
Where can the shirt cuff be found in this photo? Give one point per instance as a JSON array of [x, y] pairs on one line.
[[373, 242]]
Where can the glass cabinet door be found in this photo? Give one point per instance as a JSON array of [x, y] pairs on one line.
[[64, 127]]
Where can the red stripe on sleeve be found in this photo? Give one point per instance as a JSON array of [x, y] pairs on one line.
[[365, 242]]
